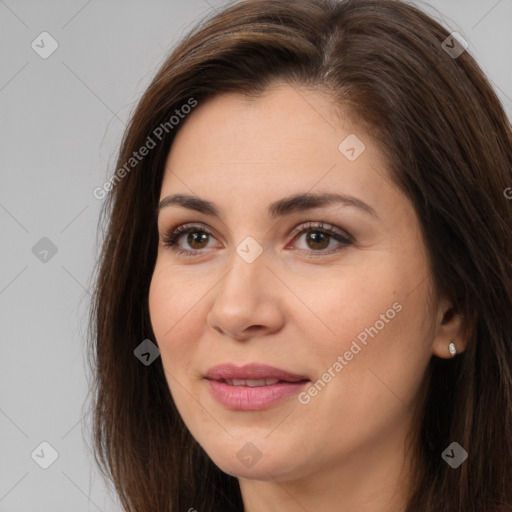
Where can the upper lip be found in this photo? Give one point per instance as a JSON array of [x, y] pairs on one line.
[[251, 371]]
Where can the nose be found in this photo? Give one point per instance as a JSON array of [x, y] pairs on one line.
[[247, 301]]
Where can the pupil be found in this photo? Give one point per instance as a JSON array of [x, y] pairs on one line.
[[318, 238], [192, 238]]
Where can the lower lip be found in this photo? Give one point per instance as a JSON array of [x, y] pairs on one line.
[[245, 398]]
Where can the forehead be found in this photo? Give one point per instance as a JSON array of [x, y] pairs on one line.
[[283, 122], [287, 140], [285, 127]]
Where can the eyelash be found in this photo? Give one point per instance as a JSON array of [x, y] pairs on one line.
[[171, 237]]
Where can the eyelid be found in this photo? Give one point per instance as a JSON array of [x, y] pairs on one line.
[[170, 236], [176, 230], [320, 226]]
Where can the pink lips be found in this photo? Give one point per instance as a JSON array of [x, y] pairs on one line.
[[252, 395]]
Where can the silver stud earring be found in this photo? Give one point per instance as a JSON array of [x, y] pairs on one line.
[[452, 349]]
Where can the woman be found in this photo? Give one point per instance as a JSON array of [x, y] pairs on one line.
[[309, 220]]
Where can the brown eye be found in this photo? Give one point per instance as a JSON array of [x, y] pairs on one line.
[[320, 239], [197, 239], [317, 240]]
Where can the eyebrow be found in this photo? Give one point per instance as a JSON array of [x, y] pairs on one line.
[[279, 208]]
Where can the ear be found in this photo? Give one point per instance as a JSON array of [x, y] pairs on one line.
[[448, 329]]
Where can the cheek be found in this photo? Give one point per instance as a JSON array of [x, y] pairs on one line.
[[174, 306], [347, 308], [385, 348], [375, 317]]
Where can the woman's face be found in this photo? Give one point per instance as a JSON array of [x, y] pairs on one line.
[[263, 283]]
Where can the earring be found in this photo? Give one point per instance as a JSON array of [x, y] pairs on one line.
[[452, 349]]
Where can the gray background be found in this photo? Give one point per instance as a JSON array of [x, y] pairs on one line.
[[61, 123]]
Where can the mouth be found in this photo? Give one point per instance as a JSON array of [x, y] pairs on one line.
[[252, 375], [255, 383], [253, 386]]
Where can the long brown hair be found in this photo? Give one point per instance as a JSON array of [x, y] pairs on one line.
[[448, 144]]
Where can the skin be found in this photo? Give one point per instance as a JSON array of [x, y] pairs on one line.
[[347, 448]]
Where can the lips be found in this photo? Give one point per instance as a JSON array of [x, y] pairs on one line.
[[252, 383], [252, 375], [253, 387]]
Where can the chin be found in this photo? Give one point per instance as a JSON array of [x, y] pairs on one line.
[[259, 459]]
